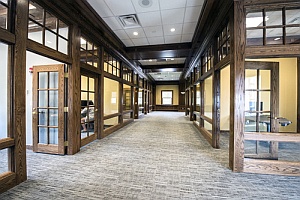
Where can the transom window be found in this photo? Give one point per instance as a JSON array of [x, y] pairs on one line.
[[207, 60], [127, 73], [111, 64], [46, 29], [167, 97], [89, 52], [224, 43], [3, 14]]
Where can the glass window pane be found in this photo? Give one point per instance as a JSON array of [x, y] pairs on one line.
[[53, 135], [250, 100], [62, 45], [274, 36], [264, 101], [89, 46], [43, 135], [43, 98], [92, 98], [3, 89], [53, 117], [250, 79], [207, 126], [91, 84], [83, 43], [254, 19], [111, 96], [126, 97], [43, 80], [53, 80], [43, 117], [111, 122], [208, 97], [63, 30], [4, 161], [265, 79], [84, 96], [51, 22], [53, 98], [35, 32], [36, 12], [50, 40], [3, 16], [84, 83], [273, 18], [293, 35], [255, 37]]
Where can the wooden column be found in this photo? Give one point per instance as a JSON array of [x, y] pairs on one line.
[[216, 110], [202, 89], [74, 97], [101, 99], [237, 86], [136, 104], [18, 165], [121, 99]]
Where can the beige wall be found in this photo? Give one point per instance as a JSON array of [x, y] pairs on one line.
[[175, 89], [225, 98]]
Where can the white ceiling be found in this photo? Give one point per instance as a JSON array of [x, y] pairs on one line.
[[165, 76], [156, 20]]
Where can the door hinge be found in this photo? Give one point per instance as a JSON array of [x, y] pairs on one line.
[[66, 109], [66, 75], [66, 143]]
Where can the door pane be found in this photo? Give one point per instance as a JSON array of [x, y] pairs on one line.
[[43, 98], [3, 89], [265, 79], [264, 101], [53, 135], [43, 79], [53, 82], [43, 117], [250, 100], [43, 135], [84, 83], [53, 117], [91, 84], [53, 98], [250, 79]]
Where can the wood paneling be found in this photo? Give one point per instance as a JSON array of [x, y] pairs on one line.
[[271, 167], [7, 36], [7, 180], [237, 86], [276, 137], [6, 142], [74, 96], [273, 51]]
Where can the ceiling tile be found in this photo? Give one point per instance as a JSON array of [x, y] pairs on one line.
[[194, 3], [156, 40], [174, 16], [173, 39], [113, 23], [192, 14], [101, 8], [139, 30], [128, 43], [187, 38], [118, 7], [171, 4], [139, 8], [140, 41], [154, 31], [189, 28], [121, 34], [167, 29], [149, 19]]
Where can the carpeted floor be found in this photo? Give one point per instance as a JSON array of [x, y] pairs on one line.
[[160, 156]]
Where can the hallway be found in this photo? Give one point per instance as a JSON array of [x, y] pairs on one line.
[[161, 156]]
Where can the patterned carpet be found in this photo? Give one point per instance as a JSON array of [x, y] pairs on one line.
[[161, 156]]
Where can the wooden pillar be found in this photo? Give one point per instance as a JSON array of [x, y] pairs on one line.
[[121, 99], [18, 164], [101, 94], [237, 86], [216, 110], [74, 97], [136, 104], [202, 90], [193, 102]]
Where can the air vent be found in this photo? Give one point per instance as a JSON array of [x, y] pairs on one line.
[[129, 21]]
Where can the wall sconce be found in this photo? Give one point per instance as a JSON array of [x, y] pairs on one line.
[[182, 92]]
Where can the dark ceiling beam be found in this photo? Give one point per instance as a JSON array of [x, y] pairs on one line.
[[162, 70], [162, 47], [162, 66], [167, 82]]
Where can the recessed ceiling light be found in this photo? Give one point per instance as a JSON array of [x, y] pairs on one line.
[[150, 60], [135, 33], [172, 58], [172, 29], [145, 3], [277, 39]]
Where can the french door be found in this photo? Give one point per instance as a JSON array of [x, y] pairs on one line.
[[48, 109], [262, 102]]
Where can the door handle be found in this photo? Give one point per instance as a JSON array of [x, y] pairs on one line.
[[96, 110], [34, 111]]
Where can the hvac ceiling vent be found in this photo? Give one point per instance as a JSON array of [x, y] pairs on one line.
[[129, 21]]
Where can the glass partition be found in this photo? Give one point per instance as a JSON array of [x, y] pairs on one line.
[[127, 100], [111, 96], [198, 97], [3, 89], [208, 97]]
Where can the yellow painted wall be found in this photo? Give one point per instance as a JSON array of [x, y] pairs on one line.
[[225, 98], [175, 89]]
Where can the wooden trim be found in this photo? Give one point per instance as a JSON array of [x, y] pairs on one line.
[[127, 111], [7, 181], [271, 167], [209, 120], [259, 4], [90, 68], [272, 51], [48, 148], [47, 52], [111, 116], [6, 36], [6, 143], [206, 134], [216, 110], [88, 140], [113, 77], [112, 129], [237, 86], [276, 137], [223, 63]]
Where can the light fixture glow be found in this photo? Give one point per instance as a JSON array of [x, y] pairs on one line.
[[277, 39], [172, 29], [135, 33], [31, 7], [150, 60]]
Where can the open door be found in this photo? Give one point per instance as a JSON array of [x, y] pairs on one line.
[[48, 109]]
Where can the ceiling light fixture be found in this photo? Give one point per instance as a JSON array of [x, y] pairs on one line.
[[150, 60], [145, 3], [135, 33], [277, 38], [172, 29]]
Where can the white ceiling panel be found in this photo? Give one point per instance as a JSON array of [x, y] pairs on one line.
[[174, 16], [113, 23], [128, 43], [192, 14], [140, 8], [122, 34], [168, 27], [140, 41], [171, 4], [172, 39], [154, 31], [120, 7], [168, 75], [187, 38], [101, 8], [139, 30], [149, 18], [194, 3], [189, 28], [156, 40]]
